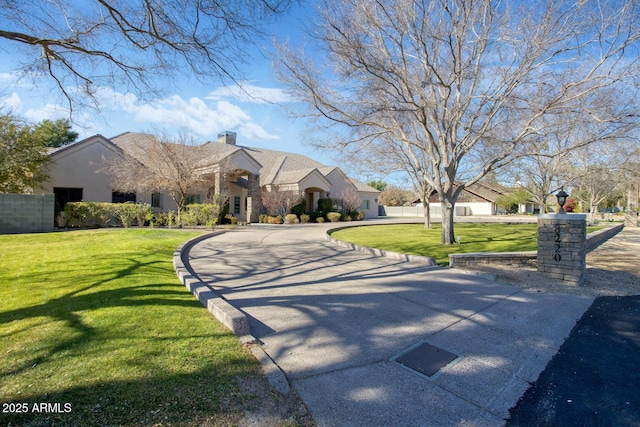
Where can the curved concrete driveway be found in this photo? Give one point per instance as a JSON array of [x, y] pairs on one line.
[[332, 319]]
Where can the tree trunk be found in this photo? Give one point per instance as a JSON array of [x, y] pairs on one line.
[[427, 214], [447, 223]]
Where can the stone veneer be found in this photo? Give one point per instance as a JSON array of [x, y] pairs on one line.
[[562, 246]]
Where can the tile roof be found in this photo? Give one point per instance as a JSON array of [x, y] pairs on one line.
[[279, 167]]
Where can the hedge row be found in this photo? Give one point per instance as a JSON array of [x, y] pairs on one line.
[[95, 214], [312, 217]]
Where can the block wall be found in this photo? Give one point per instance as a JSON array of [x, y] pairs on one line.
[[26, 213]]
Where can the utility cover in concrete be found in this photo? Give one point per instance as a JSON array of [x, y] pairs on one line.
[[427, 359]]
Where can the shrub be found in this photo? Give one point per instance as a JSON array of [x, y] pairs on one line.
[[299, 208], [76, 214], [102, 213], [334, 216], [278, 219], [88, 214], [144, 213], [263, 218], [166, 219], [126, 213], [325, 205], [304, 218], [361, 216], [98, 214], [230, 219], [291, 219], [320, 219], [188, 218]]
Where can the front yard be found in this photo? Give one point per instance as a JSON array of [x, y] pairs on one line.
[[97, 330]]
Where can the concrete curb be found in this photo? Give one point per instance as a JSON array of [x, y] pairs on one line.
[[428, 261], [230, 316], [224, 312]]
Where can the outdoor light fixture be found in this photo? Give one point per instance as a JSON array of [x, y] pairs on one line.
[[562, 199]]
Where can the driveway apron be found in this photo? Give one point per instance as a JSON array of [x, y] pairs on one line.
[[334, 320]]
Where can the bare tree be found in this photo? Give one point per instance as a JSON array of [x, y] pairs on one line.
[[452, 82], [394, 195], [349, 200], [596, 173], [92, 43], [159, 164], [280, 201]]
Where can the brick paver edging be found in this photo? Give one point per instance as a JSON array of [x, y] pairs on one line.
[[429, 261], [227, 314]]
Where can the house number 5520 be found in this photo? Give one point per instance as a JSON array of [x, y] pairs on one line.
[[556, 253]]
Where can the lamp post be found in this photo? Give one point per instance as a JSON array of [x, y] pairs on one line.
[[562, 199]]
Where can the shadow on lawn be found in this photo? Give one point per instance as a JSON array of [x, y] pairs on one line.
[[96, 294], [209, 396], [205, 392]]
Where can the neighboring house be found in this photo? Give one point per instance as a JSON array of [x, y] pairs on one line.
[[477, 199], [243, 173]]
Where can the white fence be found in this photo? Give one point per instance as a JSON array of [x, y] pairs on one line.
[[418, 211]]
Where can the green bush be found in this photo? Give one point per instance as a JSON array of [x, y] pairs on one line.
[[299, 208], [98, 214], [126, 213], [325, 206], [78, 214], [304, 218], [320, 219], [291, 219], [144, 213], [334, 216], [88, 214]]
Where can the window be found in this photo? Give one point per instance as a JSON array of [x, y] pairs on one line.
[[236, 205], [156, 200], [118, 197], [64, 195], [365, 205], [192, 199]]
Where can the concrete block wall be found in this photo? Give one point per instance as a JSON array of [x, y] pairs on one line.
[[26, 213]]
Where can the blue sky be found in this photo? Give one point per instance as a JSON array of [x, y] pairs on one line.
[[200, 109]]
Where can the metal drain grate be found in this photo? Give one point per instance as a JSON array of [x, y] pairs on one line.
[[427, 359]]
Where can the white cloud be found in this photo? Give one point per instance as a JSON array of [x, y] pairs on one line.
[[255, 132], [251, 93], [190, 116], [46, 112], [12, 103]]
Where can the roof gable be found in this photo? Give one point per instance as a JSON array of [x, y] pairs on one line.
[[70, 149]]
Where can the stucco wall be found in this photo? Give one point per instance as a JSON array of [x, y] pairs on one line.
[[79, 166], [26, 213]]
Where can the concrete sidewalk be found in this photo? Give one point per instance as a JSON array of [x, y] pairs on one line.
[[333, 320]]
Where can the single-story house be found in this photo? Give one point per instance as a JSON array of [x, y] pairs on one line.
[[78, 173], [477, 199]]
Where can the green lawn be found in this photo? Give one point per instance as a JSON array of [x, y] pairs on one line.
[[98, 320], [415, 239]]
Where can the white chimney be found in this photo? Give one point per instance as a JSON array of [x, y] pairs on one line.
[[227, 137]]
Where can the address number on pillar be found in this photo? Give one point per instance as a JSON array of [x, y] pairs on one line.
[[556, 253]]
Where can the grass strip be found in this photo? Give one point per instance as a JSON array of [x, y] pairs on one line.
[[416, 240]]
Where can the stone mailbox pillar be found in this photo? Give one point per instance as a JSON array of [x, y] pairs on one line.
[[562, 246]]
